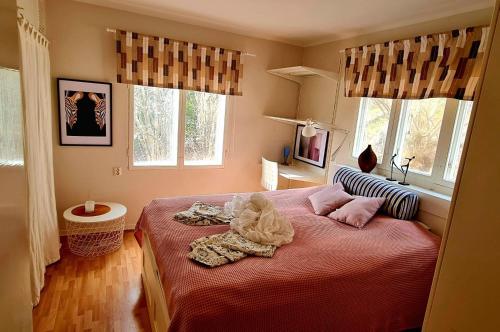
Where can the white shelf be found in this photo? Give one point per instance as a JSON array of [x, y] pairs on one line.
[[298, 73], [321, 125]]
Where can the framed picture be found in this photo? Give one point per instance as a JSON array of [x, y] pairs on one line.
[[311, 150], [84, 112]]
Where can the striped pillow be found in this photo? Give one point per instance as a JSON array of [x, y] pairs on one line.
[[399, 203]]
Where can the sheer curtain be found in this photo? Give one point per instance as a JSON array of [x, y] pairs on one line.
[[42, 216]]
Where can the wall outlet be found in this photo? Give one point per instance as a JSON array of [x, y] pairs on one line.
[[117, 171]]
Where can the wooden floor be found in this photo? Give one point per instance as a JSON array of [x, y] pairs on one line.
[[94, 294]]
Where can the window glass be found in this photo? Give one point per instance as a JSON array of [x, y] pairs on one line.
[[458, 139], [204, 128], [373, 122], [156, 117], [418, 133], [11, 126]]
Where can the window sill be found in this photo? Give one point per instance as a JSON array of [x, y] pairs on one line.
[[417, 189], [174, 168], [12, 165]]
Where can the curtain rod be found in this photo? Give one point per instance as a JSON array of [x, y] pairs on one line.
[[23, 21], [244, 53], [422, 34]]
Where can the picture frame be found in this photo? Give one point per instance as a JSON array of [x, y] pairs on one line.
[[311, 150], [85, 112]]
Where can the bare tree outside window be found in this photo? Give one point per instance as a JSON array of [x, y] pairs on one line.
[[204, 128], [419, 130], [156, 113], [156, 116], [373, 122]]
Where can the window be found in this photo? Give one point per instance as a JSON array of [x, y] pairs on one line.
[[174, 127], [418, 133], [11, 126], [458, 139], [433, 130], [156, 118], [204, 128], [373, 122]]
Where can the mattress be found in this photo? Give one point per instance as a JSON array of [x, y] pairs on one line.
[[331, 277]]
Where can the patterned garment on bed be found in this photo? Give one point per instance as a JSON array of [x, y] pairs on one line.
[[228, 247], [203, 214]]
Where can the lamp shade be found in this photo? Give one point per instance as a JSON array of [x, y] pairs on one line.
[[309, 130]]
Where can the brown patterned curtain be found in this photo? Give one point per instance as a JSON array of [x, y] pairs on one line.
[[168, 63], [438, 65]]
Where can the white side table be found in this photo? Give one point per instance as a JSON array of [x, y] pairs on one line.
[[96, 233]]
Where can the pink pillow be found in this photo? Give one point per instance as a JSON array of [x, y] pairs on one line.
[[359, 211], [329, 199]]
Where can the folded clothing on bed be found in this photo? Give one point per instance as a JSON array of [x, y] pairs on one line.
[[225, 248], [257, 228], [202, 214]]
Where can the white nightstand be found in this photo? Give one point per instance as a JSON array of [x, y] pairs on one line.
[[96, 233]]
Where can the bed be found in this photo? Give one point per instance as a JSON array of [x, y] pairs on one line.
[[332, 277]]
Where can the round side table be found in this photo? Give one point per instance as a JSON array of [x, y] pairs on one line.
[[96, 233]]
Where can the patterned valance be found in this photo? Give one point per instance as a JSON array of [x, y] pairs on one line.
[[438, 65], [168, 63]]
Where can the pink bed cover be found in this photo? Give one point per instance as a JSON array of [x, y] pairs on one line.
[[332, 277]]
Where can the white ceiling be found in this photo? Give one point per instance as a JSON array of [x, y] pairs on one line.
[[298, 22]]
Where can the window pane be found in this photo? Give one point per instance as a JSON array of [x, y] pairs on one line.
[[458, 139], [418, 133], [204, 129], [373, 121], [156, 116], [11, 126]]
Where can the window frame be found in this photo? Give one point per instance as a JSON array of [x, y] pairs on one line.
[[455, 139], [435, 181], [180, 136]]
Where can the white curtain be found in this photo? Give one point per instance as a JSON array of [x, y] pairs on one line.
[[42, 215]]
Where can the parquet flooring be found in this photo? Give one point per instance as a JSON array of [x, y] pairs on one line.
[[94, 294]]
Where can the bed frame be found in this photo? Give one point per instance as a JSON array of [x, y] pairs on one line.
[[155, 296]]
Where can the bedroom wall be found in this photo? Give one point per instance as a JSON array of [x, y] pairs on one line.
[[82, 49], [9, 57], [320, 105]]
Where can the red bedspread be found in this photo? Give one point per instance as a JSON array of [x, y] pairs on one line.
[[332, 277]]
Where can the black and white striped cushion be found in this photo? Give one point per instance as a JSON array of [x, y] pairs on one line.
[[399, 203]]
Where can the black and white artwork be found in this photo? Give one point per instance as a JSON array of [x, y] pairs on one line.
[[84, 112]]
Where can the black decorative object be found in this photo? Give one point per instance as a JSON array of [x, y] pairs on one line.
[[367, 160], [392, 168], [403, 169]]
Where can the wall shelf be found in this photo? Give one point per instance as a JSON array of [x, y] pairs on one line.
[[291, 121], [298, 73]]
